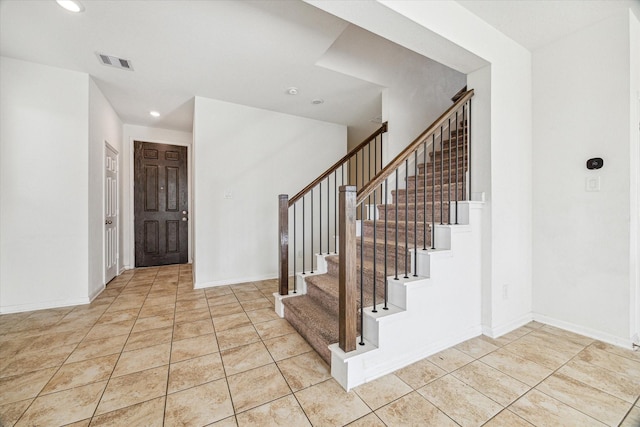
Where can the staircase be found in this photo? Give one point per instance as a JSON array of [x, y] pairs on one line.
[[428, 197]]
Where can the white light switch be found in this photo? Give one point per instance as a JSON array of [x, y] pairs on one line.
[[228, 194], [593, 183]]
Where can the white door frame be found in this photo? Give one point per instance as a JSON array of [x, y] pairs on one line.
[[104, 234]]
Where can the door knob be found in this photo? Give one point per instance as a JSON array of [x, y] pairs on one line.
[[185, 218], [184, 212]]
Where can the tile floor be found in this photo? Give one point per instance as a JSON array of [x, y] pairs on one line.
[[151, 351]]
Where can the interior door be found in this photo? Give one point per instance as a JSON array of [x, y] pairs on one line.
[[160, 204], [111, 214]]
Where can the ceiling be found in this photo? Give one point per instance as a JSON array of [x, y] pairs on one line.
[[246, 52]]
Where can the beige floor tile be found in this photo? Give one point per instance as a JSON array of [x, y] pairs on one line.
[[53, 339], [246, 357], [217, 291], [538, 352], [248, 295], [382, 391], [193, 372], [148, 338], [149, 413], [459, 401], [492, 383], [476, 347], [633, 418], [450, 359], [569, 336], [142, 359], [199, 405], [193, 347], [274, 328], [256, 387], [369, 420], [262, 315], [521, 369], [134, 388], [243, 287], [11, 412], [619, 351], [21, 387], [304, 370], [102, 331], [227, 422], [506, 418], [35, 361], [225, 309], [281, 412], [81, 373], [157, 310], [414, 410], [602, 379], [153, 322], [287, 346], [236, 337], [560, 344], [595, 403], [328, 404], [63, 407], [119, 316], [611, 361], [420, 373], [97, 348], [221, 300], [543, 410], [192, 315], [192, 329], [193, 304], [256, 304], [231, 321]]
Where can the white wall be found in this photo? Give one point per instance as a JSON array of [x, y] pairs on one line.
[[43, 186], [133, 133], [583, 257], [451, 35], [257, 155], [634, 130], [104, 127]]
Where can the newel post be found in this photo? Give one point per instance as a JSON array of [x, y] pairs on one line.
[[283, 234], [347, 304]]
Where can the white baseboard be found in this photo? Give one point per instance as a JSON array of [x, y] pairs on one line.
[[19, 308], [97, 292], [498, 331], [583, 330], [233, 281]]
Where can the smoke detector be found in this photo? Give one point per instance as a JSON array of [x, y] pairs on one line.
[[113, 61], [292, 90]]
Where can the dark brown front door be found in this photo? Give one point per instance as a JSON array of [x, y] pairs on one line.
[[160, 204]]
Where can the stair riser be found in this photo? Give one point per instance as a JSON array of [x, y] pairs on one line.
[[402, 197], [437, 181], [391, 232], [402, 215], [368, 279]]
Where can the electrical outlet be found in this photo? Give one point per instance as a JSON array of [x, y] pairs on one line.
[[505, 291]]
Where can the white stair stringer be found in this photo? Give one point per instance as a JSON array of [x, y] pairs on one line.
[[427, 314]]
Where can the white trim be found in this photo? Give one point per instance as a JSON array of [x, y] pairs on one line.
[[234, 281], [132, 234], [118, 230], [498, 331], [97, 292], [582, 330], [45, 305]]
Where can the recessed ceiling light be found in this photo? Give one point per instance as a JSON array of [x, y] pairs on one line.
[[292, 91], [71, 5], [317, 101], [154, 113]]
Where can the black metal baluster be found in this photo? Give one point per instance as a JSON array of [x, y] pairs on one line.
[[415, 213], [457, 171], [303, 239], [312, 231], [320, 222], [433, 191], [335, 210], [424, 197], [449, 179], [406, 220], [357, 169], [361, 277], [468, 141], [294, 249], [441, 173], [375, 254], [386, 220], [396, 205], [328, 215]]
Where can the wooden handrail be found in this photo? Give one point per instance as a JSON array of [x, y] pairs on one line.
[[337, 164], [372, 185]]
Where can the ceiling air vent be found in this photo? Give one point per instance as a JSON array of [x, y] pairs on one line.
[[113, 61]]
